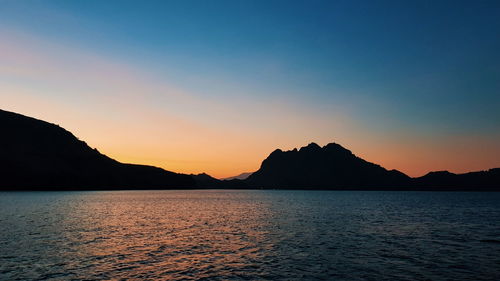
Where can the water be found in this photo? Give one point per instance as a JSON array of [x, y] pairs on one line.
[[249, 235]]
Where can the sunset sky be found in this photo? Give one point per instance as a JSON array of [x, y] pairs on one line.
[[215, 86]]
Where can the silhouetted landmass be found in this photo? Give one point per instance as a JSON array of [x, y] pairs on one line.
[[334, 167], [205, 181], [36, 155], [328, 167], [444, 180]]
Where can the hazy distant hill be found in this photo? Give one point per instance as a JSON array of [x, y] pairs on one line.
[[38, 155], [241, 176]]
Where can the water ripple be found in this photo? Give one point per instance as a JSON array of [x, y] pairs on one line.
[[249, 235]]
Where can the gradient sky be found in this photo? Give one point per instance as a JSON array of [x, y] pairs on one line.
[[215, 86]]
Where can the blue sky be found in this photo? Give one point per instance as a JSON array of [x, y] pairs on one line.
[[386, 71]]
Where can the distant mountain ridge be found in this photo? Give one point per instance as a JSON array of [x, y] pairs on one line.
[[37, 155], [488, 180]]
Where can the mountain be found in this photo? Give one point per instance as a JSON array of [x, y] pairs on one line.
[[328, 167], [241, 176], [334, 167], [35, 154]]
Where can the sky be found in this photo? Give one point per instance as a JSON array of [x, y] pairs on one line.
[[215, 86]]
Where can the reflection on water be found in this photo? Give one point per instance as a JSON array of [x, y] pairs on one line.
[[248, 235]]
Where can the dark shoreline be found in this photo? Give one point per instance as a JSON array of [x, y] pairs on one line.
[[236, 189]]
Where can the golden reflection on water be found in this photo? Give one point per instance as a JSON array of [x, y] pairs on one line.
[[169, 234]]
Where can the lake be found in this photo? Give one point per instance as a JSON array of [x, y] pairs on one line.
[[249, 235]]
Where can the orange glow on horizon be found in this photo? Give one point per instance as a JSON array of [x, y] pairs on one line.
[[133, 118]]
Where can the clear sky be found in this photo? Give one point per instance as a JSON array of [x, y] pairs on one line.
[[215, 86]]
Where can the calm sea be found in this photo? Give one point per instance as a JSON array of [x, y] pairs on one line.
[[249, 235]]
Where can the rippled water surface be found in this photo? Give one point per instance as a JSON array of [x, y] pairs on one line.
[[249, 235]]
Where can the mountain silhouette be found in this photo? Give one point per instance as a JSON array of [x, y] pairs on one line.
[[35, 154], [328, 167], [334, 167]]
